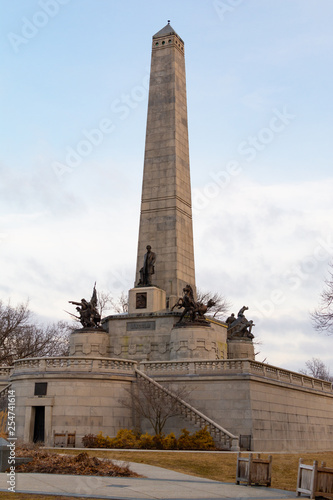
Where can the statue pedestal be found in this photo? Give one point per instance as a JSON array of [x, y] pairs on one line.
[[89, 342], [197, 342], [173, 299], [240, 348], [146, 299]]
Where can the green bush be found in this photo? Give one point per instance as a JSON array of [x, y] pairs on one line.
[[103, 442], [170, 442], [159, 441], [147, 442], [184, 441], [202, 440], [127, 439], [89, 441]]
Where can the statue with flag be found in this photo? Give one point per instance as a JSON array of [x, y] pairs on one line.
[[89, 316]]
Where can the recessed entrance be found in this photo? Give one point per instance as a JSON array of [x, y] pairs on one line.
[[39, 425]]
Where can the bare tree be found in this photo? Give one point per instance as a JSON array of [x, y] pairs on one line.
[[317, 369], [222, 305], [21, 337], [258, 342], [322, 318], [106, 302], [120, 304], [150, 402]]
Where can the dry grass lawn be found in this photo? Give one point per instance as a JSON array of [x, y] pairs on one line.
[[217, 466], [28, 496]]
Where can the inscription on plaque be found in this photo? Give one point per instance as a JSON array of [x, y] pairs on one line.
[[144, 325], [141, 300]]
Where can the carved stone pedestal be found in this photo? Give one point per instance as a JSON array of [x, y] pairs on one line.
[[240, 348], [89, 342], [146, 299], [197, 342]]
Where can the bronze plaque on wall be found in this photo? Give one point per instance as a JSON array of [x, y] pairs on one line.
[[140, 325], [141, 300]]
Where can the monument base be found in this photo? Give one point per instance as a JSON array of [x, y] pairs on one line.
[[240, 348], [89, 342], [197, 342], [172, 301], [146, 299]]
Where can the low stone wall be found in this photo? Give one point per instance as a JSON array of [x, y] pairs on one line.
[[221, 366], [82, 395], [5, 372], [72, 364], [288, 417], [280, 410]]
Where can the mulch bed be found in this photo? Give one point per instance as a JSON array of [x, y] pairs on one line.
[[82, 464]]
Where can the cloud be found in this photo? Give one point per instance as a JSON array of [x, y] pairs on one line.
[[262, 98], [292, 48], [35, 189], [268, 247], [289, 342], [58, 237], [277, 225]]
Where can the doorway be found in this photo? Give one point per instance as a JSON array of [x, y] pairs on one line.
[[39, 426]]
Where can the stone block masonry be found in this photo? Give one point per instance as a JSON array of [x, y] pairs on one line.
[[166, 213], [281, 410]]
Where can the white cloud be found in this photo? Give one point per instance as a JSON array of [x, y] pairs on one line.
[[268, 247], [292, 48], [262, 98]]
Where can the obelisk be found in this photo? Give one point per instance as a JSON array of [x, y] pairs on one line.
[[166, 212]]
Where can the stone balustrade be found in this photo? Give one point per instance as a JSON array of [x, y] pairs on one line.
[[5, 372], [228, 366], [156, 368], [74, 364], [4, 391]]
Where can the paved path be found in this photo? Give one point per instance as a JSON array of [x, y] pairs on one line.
[[161, 484]]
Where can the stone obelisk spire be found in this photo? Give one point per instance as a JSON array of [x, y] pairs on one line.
[[166, 213]]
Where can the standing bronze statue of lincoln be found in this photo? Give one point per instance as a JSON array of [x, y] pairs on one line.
[[148, 269]]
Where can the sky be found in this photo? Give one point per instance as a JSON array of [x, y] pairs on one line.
[[73, 96]]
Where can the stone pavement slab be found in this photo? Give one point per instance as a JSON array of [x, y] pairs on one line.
[[159, 484]]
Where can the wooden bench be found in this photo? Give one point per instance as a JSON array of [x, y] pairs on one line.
[[64, 439], [314, 481], [254, 470]]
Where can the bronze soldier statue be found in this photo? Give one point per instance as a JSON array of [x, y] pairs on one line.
[[240, 327], [88, 314], [194, 310]]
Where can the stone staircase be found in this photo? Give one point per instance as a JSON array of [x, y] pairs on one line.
[[223, 438], [4, 391]]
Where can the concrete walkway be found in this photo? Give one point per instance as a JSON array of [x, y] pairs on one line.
[[161, 484]]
